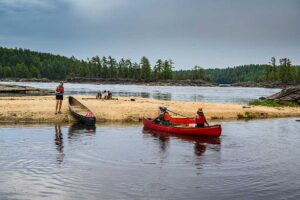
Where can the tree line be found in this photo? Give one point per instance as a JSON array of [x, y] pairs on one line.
[[24, 63], [242, 73], [283, 72], [110, 68]]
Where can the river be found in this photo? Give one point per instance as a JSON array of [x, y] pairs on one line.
[[183, 93], [257, 159]]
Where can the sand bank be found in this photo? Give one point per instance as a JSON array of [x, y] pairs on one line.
[[41, 109]]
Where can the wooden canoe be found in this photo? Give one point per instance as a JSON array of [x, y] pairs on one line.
[[80, 112]]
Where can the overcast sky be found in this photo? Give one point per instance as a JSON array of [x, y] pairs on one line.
[[209, 33]]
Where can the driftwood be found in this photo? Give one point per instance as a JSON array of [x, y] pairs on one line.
[[287, 95]]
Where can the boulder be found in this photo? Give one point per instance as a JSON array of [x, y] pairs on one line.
[[287, 95]]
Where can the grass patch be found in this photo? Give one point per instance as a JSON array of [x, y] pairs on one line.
[[272, 103], [246, 115]]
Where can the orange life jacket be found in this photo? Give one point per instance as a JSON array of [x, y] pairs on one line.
[[200, 119], [167, 116]]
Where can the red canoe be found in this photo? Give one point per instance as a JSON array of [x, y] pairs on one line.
[[185, 126]]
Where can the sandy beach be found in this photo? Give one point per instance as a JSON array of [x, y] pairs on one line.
[[40, 109]]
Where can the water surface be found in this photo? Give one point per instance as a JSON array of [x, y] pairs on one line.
[[252, 160], [185, 93]]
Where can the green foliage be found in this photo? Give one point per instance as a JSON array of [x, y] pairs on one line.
[[197, 73], [247, 115], [272, 103], [241, 73], [284, 73], [23, 63], [145, 69]]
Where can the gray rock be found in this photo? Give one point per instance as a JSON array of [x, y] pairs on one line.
[[287, 95]]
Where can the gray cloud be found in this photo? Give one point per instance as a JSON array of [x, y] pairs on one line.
[[210, 33]]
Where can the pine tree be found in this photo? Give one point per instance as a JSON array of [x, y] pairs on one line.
[[145, 69]]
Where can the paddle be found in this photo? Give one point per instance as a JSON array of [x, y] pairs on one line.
[[181, 115], [178, 114], [178, 124]]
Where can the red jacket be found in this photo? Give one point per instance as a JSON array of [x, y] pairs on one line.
[[200, 119], [60, 89]]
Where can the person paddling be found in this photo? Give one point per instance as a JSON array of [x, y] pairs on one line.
[[59, 93], [200, 119], [164, 117]]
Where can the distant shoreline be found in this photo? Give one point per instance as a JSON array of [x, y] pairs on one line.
[[198, 83]]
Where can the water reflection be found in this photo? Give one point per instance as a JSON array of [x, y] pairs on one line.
[[200, 143], [59, 144], [120, 162], [131, 94], [196, 97], [162, 96], [185, 93], [154, 95], [77, 130]]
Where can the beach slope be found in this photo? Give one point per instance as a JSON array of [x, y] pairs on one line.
[[41, 109]]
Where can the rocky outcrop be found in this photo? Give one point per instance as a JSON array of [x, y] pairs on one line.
[[13, 90], [266, 84], [291, 95]]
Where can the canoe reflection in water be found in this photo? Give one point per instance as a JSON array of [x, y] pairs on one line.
[[77, 130], [59, 144], [200, 143]]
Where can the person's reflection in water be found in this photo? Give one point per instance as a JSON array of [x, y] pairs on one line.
[[199, 149], [164, 142], [200, 143], [59, 144]]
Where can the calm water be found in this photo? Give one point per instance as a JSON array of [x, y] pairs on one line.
[[186, 93], [252, 160]]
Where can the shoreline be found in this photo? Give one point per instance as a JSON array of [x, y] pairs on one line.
[[165, 83], [40, 109]]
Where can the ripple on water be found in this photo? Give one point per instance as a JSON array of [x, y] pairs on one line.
[[124, 163]]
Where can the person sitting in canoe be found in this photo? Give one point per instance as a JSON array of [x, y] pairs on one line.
[[99, 95], [109, 94], [105, 94], [200, 119], [164, 117]]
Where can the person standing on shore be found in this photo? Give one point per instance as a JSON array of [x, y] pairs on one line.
[[59, 93]]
